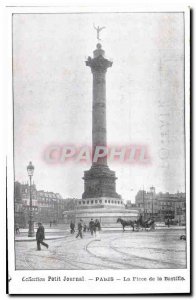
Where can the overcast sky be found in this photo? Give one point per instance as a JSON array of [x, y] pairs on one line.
[[145, 96]]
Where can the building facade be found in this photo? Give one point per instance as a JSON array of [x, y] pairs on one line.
[[47, 206], [162, 206]]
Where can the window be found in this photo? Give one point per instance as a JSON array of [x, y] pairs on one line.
[[118, 202], [92, 201], [79, 202], [106, 201], [95, 201], [100, 201], [87, 202], [83, 202]]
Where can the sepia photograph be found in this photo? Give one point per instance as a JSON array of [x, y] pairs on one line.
[[100, 146]]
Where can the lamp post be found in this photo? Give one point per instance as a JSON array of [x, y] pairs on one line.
[[30, 170], [75, 203], [152, 189], [144, 204]]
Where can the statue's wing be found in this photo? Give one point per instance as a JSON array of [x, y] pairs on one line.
[[101, 28], [94, 26]]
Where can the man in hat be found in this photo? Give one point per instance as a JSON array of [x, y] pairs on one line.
[[79, 229], [92, 226], [98, 228], [40, 236], [72, 227]]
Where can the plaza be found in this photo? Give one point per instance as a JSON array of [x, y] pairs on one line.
[[158, 249]]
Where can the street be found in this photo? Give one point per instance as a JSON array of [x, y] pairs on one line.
[[116, 250]]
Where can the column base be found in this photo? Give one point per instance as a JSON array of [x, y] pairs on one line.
[[100, 181], [31, 232]]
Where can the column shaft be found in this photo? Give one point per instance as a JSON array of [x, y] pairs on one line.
[[99, 135]]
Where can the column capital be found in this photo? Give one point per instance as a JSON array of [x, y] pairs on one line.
[[98, 64]]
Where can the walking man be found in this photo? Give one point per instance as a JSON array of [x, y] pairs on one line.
[[98, 228], [91, 226], [79, 230], [40, 236], [85, 228], [72, 227]]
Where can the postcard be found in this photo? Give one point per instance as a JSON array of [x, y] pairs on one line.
[[98, 162]]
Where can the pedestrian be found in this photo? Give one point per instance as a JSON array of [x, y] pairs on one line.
[[98, 228], [40, 236], [79, 229], [85, 228], [92, 226], [72, 227], [17, 229]]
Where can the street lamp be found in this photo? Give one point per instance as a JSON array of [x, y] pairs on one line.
[[75, 203], [144, 204], [152, 189], [30, 170]]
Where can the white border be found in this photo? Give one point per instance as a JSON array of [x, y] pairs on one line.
[[16, 286]]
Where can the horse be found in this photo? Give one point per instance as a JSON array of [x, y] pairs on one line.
[[125, 223]]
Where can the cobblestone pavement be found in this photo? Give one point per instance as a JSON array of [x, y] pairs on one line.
[[115, 250]]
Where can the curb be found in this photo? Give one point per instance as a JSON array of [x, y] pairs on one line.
[[46, 239]]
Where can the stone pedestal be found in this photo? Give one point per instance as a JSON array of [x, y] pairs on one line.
[[107, 216], [100, 181]]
